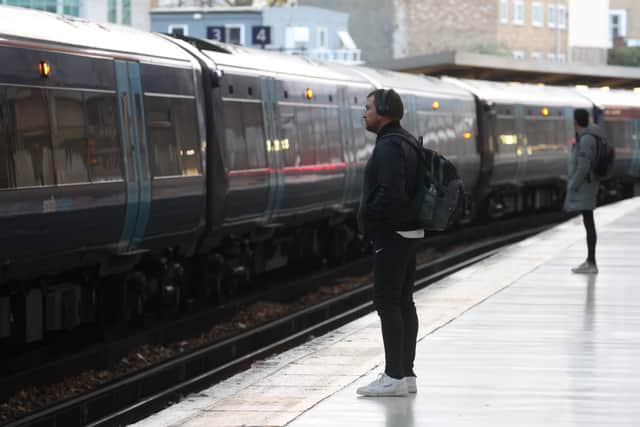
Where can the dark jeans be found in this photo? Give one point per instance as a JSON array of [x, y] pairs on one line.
[[590, 226], [394, 274]]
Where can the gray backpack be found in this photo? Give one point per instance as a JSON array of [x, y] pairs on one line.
[[439, 198]]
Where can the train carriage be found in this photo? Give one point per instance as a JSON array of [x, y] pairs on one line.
[[527, 131], [100, 156], [618, 111]]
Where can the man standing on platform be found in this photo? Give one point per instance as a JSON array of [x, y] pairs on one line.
[[583, 184], [386, 218]]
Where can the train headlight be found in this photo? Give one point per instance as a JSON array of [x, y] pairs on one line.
[[44, 68], [467, 135], [544, 111], [435, 105]]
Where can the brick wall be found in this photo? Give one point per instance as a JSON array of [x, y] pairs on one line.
[[528, 38], [433, 26]]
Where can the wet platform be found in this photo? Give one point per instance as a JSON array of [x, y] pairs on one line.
[[516, 339]]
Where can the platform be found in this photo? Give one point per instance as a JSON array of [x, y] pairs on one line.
[[516, 339]]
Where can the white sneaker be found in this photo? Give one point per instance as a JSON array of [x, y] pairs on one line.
[[411, 384], [585, 268], [384, 385]]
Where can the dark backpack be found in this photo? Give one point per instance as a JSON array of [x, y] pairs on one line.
[[439, 198], [605, 156]]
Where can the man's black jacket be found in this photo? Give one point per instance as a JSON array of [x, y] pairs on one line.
[[389, 184]]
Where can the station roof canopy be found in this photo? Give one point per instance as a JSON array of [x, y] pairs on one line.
[[498, 68]]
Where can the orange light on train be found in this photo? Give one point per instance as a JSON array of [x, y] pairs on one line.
[[435, 105], [544, 111], [44, 69], [308, 93], [467, 135]]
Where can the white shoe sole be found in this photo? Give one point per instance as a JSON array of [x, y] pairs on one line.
[[362, 391]]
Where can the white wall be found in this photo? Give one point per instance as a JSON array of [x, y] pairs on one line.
[[96, 11], [589, 23]]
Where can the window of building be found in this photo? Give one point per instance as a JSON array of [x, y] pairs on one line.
[[518, 12], [126, 12], [48, 5], [517, 54], [562, 17], [552, 20], [551, 56], [323, 39], [537, 14], [234, 33], [536, 56], [296, 37], [617, 24], [112, 12], [504, 11], [179, 30], [71, 7], [561, 57]]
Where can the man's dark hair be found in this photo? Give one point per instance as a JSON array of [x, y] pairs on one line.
[[581, 116], [388, 103]]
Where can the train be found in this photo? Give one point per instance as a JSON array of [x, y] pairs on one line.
[[145, 170]]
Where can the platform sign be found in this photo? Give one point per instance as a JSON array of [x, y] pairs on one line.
[[261, 35], [216, 33]]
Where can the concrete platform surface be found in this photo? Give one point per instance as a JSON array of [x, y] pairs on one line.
[[516, 339]]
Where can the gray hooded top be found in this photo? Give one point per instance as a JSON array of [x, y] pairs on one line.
[[582, 183]]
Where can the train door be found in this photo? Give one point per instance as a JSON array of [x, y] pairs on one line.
[[348, 144], [136, 158], [522, 146], [274, 147], [635, 141]]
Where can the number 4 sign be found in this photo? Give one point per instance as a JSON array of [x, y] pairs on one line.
[[261, 35]]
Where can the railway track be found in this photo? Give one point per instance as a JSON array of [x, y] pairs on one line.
[[155, 384]]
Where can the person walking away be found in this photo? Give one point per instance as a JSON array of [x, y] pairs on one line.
[[385, 218], [583, 184]]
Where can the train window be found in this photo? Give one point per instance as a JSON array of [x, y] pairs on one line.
[[250, 91], [69, 136], [103, 144], [29, 138], [319, 120], [360, 137], [333, 136], [506, 134], [306, 141], [288, 131], [230, 90], [330, 98], [254, 135], [235, 144], [186, 132], [355, 99], [286, 94], [161, 135]]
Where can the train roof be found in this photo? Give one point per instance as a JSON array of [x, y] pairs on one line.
[[19, 25], [523, 93], [612, 98], [226, 55], [412, 83]]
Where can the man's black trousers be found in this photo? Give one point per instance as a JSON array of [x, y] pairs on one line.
[[394, 274]]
